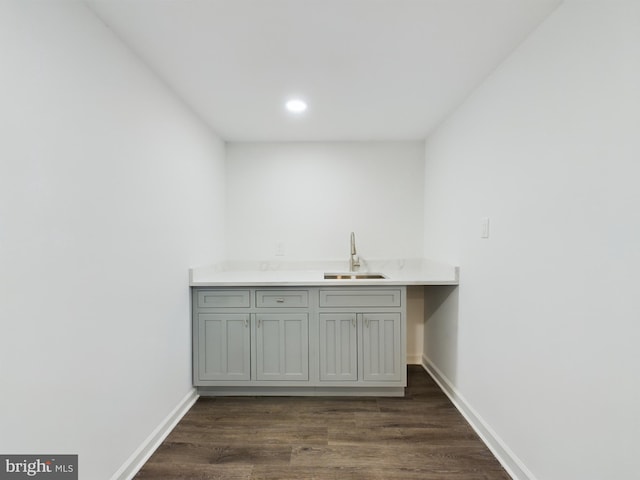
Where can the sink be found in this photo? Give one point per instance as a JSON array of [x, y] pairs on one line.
[[353, 276]]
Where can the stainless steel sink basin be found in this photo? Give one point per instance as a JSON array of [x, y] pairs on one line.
[[353, 276]]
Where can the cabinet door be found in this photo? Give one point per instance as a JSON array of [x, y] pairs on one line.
[[382, 347], [282, 346], [338, 347], [223, 346]]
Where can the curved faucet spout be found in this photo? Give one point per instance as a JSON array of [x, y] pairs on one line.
[[354, 261]]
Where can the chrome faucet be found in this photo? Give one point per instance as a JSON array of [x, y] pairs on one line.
[[354, 260]]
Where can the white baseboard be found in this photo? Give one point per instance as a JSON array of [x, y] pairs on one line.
[[511, 463], [135, 462]]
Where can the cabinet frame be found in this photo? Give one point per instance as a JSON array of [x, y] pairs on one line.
[[317, 380]]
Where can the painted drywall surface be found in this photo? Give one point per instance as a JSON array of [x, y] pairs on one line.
[[544, 346], [109, 191], [308, 197], [305, 199]]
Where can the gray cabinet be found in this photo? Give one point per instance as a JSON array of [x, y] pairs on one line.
[[362, 335], [243, 336], [299, 340]]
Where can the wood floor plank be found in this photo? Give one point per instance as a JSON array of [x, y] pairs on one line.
[[173, 452], [294, 473], [438, 457], [363, 436], [440, 435], [393, 435], [420, 436], [178, 471], [350, 473], [249, 420], [263, 435], [418, 419]]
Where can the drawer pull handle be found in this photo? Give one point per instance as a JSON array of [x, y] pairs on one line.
[[279, 300]]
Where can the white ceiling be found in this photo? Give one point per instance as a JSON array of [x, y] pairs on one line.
[[369, 69]]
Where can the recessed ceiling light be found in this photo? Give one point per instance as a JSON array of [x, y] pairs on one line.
[[296, 105]]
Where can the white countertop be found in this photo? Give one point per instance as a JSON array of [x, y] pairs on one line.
[[311, 273]]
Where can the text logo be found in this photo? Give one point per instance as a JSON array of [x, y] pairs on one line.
[[45, 467]]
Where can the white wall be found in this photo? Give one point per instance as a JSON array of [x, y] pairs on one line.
[[310, 196], [542, 340], [109, 191]]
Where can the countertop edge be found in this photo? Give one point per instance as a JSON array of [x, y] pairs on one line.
[[325, 283], [211, 277]]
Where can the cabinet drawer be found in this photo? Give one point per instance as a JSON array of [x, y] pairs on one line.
[[282, 298], [390, 297], [224, 299]]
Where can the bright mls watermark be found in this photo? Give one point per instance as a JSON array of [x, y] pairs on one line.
[[49, 467]]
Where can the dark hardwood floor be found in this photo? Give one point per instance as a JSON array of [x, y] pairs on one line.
[[418, 437]]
